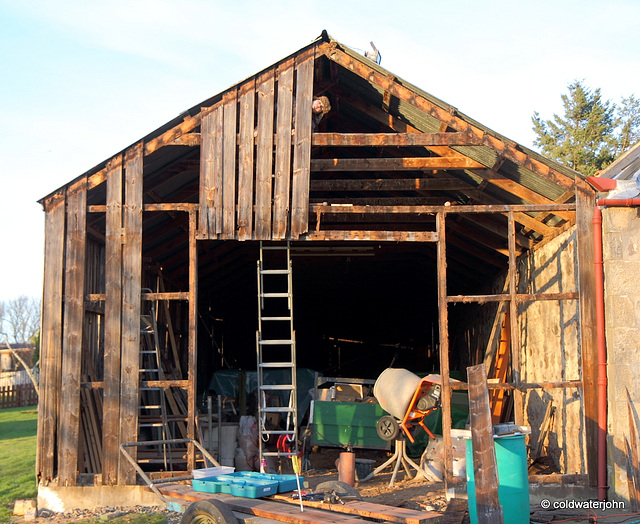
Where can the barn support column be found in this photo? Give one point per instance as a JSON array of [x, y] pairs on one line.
[[112, 324], [585, 204], [69, 422], [443, 323], [131, 295], [193, 332], [51, 338]]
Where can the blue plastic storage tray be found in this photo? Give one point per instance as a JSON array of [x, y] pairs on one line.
[[285, 482], [237, 485]]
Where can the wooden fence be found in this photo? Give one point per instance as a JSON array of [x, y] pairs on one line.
[[17, 396]]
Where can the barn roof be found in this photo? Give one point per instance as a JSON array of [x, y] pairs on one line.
[[475, 166]]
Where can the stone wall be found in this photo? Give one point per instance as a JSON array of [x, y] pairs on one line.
[[621, 255], [549, 332]]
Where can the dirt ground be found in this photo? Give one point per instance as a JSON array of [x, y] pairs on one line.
[[417, 494]]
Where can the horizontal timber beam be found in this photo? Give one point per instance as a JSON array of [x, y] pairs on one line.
[[393, 139], [391, 184], [391, 236], [393, 164], [172, 295], [448, 116], [525, 385], [520, 298], [441, 209], [152, 207]]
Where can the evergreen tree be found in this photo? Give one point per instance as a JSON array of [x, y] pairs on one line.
[[592, 132]]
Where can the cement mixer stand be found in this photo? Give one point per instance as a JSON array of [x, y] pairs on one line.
[[409, 399], [400, 457]]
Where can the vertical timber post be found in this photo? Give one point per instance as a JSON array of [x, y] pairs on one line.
[[443, 323]]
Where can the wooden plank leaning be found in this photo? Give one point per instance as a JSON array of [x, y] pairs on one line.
[[484, 466]]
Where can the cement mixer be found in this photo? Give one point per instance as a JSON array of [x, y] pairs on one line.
[[408, 398]]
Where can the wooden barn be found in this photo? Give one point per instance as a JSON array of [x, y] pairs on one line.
[[413, 237]]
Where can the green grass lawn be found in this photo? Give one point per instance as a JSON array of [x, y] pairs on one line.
[[18, 427], [17, 457]]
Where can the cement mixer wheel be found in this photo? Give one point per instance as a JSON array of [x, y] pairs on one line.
[[387, 428], [210, 511]]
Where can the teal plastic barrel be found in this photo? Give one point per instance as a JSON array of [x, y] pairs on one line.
[[513, 479]]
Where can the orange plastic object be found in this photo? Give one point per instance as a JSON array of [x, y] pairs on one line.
[[415, 416]]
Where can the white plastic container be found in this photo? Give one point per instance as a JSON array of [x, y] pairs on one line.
[[211, 472]]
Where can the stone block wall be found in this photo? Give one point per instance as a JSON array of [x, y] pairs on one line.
[[621, 255]]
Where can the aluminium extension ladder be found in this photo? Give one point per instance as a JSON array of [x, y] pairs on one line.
[[276, 352], [152, 399]]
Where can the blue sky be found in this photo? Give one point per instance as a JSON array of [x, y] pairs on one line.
[[83, 79]]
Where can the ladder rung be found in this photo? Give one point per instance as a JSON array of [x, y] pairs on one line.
[[274, 248], [276, 318], [274, 295], [278, 454], [277, 410], [274, 271], [148, 352], [275, 342], [276, 364], [277, 387], [148, 370], [278, 432]]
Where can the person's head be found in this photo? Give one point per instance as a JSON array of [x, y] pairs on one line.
[[320, 105]]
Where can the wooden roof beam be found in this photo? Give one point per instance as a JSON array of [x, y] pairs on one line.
[[511, 186], [503, 147], [393, 164], [392, 139], [391, 184]]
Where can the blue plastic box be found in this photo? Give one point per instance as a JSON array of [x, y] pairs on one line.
[[237, 485]]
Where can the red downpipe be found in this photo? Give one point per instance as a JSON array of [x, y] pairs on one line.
[[600, 334]]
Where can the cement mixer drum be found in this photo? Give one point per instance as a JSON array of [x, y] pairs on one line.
[[394, 390]]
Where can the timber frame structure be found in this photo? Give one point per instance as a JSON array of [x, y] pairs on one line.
[[390, 167]]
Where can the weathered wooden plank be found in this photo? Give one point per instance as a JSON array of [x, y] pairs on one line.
[[264, 156], [302, 146], [169, 295], [585, 204], [369, 510], [261, 507], [518, 402], [51, 339], [393, 164], [210, 173], [229, 165], [112, 320], [284, 118], [247, 99], [189, 124], [390, 184], [391, 236], [443, 327], [192, 340], [517, 189], [131, 288], [533, 297], [69, 427], [393, 139], [503, 147], [484, 464]]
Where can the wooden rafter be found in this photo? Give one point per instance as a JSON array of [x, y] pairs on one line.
[[393, 164], [502, 147], [393, 139]]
